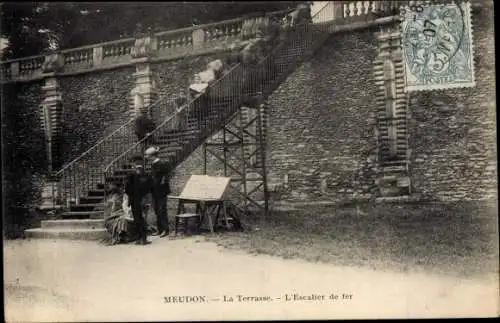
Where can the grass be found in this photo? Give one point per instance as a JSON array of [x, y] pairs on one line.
[[459, 239]]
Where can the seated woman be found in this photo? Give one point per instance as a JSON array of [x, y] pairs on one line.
[[118, 219]]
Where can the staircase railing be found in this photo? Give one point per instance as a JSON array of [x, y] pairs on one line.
[[75, 179], [223, 97], [83, 173]]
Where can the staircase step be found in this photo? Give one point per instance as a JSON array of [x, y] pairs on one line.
[[123, 172], [179, 141], [96, 192], [177, 134], [81, 214], [73, 224], [170, 145], [66, 233], [91, 199], [86, 207]]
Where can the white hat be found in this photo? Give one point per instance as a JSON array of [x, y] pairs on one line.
[[151, 151]]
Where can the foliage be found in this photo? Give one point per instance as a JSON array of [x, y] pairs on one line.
[[33, 27], [22, 150]]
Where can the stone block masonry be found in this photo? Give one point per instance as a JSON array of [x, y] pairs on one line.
[[94, 105], [321, 141]]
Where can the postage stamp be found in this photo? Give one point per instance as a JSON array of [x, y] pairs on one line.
[[437, 46]]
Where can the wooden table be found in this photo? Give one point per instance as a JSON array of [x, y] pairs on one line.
[[204, 207]]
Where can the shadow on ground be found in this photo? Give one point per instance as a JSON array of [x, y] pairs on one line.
[[454, 239]]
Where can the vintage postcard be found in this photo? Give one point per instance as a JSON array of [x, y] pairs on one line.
[[175, 161], [437, 45]]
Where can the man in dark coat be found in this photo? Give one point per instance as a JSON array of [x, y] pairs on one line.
[[137, 186], [143, 128], [160, 177]]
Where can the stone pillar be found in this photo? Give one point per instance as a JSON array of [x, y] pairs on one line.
[[50, 196], [392, 112], [144, 92], [198, 38], [338, 10], [97, 55], [51, 109], [51, 117]]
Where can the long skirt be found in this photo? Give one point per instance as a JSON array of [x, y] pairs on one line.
[[120, 229]]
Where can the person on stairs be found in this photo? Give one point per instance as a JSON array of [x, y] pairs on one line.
[[160, 176], [144, 126], [137, 185]]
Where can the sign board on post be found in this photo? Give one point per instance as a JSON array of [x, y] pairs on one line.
[[204, 187]]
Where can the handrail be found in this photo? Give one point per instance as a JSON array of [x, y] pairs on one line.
[[74, 161], [88, 151], [124, 40], [25, 58], [183, 107], [92, 148], [111, 42]]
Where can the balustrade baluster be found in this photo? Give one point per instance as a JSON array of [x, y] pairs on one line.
[[347, 10], [366, 7]]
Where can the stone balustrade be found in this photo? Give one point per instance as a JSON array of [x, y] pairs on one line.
[[196, 40]]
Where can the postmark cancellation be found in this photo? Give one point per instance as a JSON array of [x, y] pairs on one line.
[[437, 46]]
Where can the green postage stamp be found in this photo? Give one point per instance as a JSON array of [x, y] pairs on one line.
[[437, 46]]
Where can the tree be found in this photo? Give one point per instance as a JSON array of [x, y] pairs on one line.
[[33, 27]]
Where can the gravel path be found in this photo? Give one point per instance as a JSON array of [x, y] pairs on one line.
[[84, 281]]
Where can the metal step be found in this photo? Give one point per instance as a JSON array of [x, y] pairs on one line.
[[176, 134], [96, 192], [91, 199]]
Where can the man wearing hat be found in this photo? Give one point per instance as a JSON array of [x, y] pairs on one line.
[[160, 176], [137, 186]]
